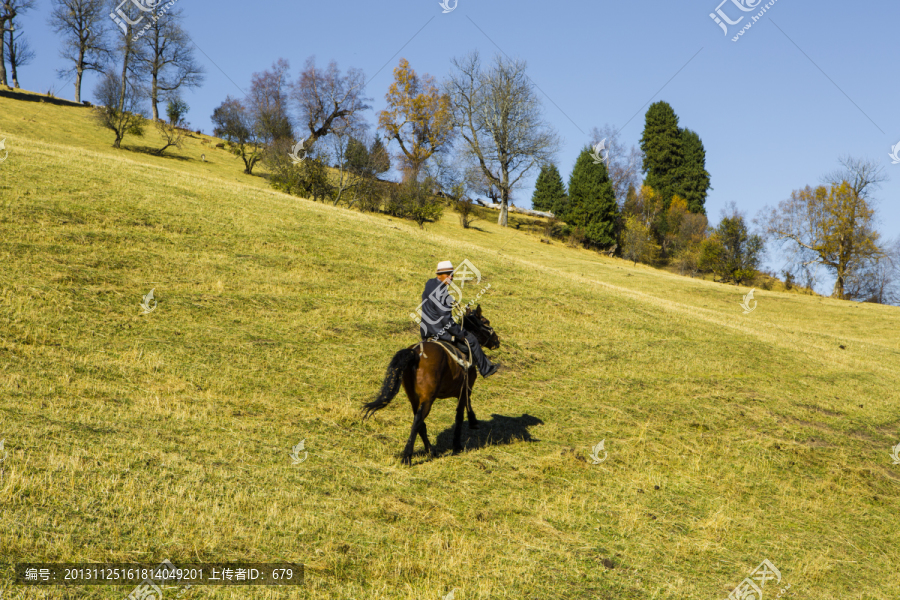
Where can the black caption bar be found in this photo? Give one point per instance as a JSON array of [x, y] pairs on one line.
[[159, 574]]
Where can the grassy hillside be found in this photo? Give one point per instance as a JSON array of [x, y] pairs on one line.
[[731, 437]]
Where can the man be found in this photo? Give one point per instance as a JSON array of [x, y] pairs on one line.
[[437, 321]]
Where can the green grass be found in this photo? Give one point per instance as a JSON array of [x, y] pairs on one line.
[[732, 437]]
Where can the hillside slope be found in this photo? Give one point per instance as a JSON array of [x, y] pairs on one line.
[[731, 437]]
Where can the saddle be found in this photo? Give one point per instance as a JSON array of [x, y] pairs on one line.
[[456, 354]]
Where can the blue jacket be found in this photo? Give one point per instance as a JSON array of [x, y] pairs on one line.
[[437, 304]]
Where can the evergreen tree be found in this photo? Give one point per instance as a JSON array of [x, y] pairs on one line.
[[694, 176], [356, 157], [549, 190], [592, 201], [663, 151], [381, 160]]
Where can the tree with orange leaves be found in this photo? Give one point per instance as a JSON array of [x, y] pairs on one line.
[[418, 117]]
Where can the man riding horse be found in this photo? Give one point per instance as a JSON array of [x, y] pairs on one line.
[[438, 323], [428, 373]]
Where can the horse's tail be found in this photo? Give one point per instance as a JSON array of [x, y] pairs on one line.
[[392, 378]]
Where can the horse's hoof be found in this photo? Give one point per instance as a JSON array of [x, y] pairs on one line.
[[473, 424], [457, 451], [407, 460]]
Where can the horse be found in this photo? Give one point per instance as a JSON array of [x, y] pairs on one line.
[[430, 374]]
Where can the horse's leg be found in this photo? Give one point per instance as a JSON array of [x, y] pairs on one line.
[[457, 433], [417, 426], [410, 444], [473, 422], [409, 386], [423, 433]]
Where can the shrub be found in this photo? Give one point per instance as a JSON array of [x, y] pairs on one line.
[[731, 253], [788, 279], [637, 243], [412, 200], [465, 208]]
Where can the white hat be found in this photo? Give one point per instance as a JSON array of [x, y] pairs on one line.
[[445, 266]]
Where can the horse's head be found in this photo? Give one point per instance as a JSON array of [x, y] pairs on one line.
[[481, 328]]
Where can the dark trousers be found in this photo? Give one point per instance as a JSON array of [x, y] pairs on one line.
[[478, 356]]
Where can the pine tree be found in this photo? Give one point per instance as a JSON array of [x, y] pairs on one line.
[[381, 161], [356, 157], [549, 190], [663, 151], [592, 202], [694, 176]]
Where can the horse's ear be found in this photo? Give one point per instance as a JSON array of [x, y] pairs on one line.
[[478, 310]]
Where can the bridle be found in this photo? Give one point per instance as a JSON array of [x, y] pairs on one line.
[[484, 327]]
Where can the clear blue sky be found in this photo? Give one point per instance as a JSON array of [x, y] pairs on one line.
[[809, 82]]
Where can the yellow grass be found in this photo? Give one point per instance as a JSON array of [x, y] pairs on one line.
[[731, 437]]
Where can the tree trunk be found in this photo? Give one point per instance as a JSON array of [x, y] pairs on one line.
[[125, 58], [838, 291], [504, 195], [78, 72], [12, 60], [154, 95], [2, 57]]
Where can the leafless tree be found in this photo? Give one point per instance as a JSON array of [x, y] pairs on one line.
[[877, 279], [9, 10], [328, 100], [128, 52], [119, 112], [864, 176], [498, 115], [83, 24], [623, 164], [17, 52], [267, 102], [168, 58], [171, 133], [348, 181], [234, 122]]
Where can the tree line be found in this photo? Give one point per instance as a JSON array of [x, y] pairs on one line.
[[479, 131], [661, 220], [142, 54]]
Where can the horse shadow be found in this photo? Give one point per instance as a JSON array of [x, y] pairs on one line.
[[498, 431]]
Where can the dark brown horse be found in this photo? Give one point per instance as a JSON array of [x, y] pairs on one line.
[[428, 373]]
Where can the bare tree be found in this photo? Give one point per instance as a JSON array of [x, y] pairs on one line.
[[17, 52], [328, 100], [234, 122], [863, 175], [128, 51], [267, 102], [83, 24], [9, 10], [623, 164], [171, 133], [119, 113], [877, 279], [168, 58], [499, 116]]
